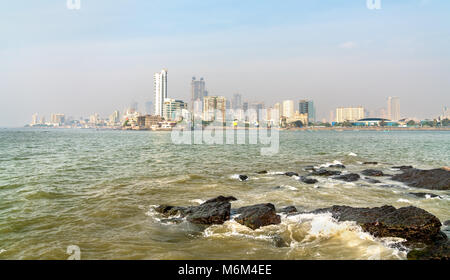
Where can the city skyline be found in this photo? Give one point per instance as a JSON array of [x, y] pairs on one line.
[[49, 70]]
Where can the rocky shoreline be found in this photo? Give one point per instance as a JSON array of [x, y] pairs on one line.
[[420, 229]]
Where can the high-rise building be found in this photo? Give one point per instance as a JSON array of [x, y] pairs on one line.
[[236, 102], [212, 105], [288, 108], [172, 108], [57, 119], [393, 104], [198, 90], [349, 114], [34, 119], [114, 119], [160, 86], [307, 107]]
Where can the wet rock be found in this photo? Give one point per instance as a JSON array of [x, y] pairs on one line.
[[411, 223], [337, 166], [290, 174], [348, 177], [437, 251], [372, 181], [288, 209], [434, 179], [324, 172], [372, 172], [243, 178], [210, 213], [172, 221], [307, 180], [279, 241], [262, 172], [168, 210], [370, 162], [221, 198], [425, 195], [257, 216], [277, 187], [447, 223], [402, 167]]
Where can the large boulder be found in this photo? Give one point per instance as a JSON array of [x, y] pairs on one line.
[[307, 180], [372, 172], [411, 223], [210, 213], [257, 216], [351, 177], [288, 209], [324, 172], [213, 211], [439, 250], [291, 174], [434, 179], [221, 198]]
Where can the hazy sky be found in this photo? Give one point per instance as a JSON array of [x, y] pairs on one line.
[[102, 57]]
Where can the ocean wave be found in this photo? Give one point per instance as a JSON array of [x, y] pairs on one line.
[[328, 164]]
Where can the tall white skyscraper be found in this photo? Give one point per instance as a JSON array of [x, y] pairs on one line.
[[288, 108], [393, 108], [160, 85], [349, 114]]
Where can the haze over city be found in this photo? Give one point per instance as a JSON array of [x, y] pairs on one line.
[[102, 57]]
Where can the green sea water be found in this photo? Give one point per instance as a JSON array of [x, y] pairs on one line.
[[97, 190]]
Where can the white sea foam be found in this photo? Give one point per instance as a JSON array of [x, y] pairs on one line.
[[403, 200], [276, 173], [2, 251], [352, 154], [289, 187], [328, 164], [198, 201]]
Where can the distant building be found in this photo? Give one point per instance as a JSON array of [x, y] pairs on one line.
[[34, 119], [198, 90], [212, 104], [57, 119], [349, 114], [236, 102], [172, 109], [393, 104], [160, 87], [149, 107], [245, 106], [114, 119], [307, 107], [288, 109], [374, 122], [94, 119], [298, 117]]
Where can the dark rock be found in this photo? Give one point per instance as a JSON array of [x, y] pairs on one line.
[[372, 172], [221, 198], [324, 172], [348, 177], [257, 216], [262, 172], [288, 209], [307, 180], [290, 174], [337, 166], [447, 223], [403, 167], [168, 210], [372, 181], [389, 186], [172, 221], [277, 187], [371, 162], [243, 178], [424, 195], [437, 251], [210, 213], [279, 241], [411, 223], [434, 179]]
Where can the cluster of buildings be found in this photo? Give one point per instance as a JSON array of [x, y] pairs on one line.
[[164, 112]]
